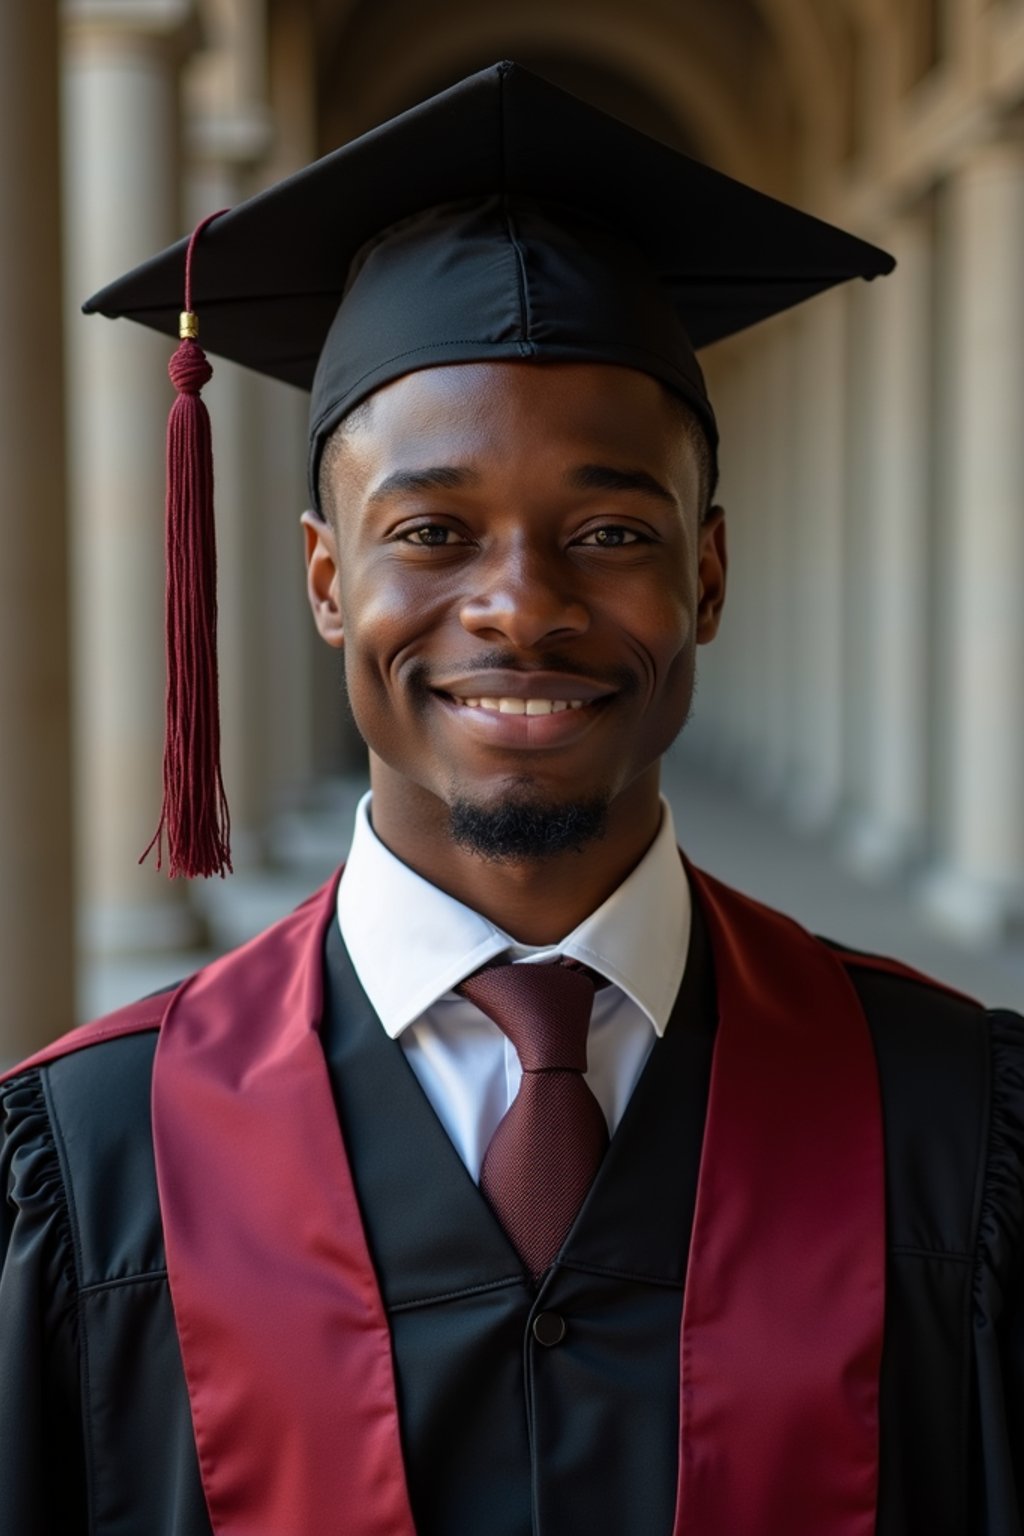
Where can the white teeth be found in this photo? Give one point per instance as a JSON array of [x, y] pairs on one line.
[[510, 706]]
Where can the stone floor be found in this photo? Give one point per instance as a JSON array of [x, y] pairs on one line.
[[799, 873], [744, 844]]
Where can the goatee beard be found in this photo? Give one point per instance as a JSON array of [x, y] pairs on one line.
[[517, 830]]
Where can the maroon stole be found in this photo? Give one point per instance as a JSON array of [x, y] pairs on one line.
[[283, 1333]]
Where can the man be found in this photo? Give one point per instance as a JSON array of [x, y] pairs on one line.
[[526, 1179]]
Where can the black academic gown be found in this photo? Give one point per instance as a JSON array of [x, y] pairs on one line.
[[524, 1412]]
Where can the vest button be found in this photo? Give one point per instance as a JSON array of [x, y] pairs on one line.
[[549, 1328]]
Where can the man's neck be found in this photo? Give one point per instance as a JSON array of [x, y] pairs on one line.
[[534, 900]]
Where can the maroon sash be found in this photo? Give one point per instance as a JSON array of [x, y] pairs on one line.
[[283, 1334], [785, 1287]]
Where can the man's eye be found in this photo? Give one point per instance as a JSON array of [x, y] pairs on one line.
[[612, 537], [431, 536]]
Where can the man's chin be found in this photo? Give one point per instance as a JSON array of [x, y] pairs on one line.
[[513, 831]]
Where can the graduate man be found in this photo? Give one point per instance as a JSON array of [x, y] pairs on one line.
[[526, 1180]]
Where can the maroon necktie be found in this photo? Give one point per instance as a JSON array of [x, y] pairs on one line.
[[542, 1158]]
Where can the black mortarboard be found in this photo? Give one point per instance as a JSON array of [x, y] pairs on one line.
[[547, 221], [500, 219]]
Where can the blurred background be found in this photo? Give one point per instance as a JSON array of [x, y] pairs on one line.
[[857, 751]]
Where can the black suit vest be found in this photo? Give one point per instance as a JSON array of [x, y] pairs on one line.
[[504, 1434]]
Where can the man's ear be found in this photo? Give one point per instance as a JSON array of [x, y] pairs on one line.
[[322, 578], [712, 564]]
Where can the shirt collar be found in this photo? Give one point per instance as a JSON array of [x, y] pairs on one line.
[[637, 938]]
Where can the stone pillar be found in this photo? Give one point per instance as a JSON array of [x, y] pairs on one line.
[[816, 557], [887, 603], [313, 735], [304, 699], [36, 944], [743, 619], [979, 884], [122, 61], [858, 564], [751, 669], [778, 640], [711, 735]]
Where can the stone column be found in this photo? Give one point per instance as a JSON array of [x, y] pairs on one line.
[[979, 884], [754, 675], [122, 60], [816, 557], [858, 564], [887, 605], [36, 944], [711, 735], [778, 641], [313, 737], [744, 613]]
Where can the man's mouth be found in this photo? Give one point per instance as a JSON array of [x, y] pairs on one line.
[[507, 691], [532, 710], [516, 706], [508, 708]]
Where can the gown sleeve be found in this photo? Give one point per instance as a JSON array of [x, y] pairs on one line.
[[42, 1461], [998, 1293]]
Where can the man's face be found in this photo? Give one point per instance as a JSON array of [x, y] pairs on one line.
[[515, 569]]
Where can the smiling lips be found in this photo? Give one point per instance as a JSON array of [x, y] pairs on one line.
[[534, 709], [514, 706], [521, 693]]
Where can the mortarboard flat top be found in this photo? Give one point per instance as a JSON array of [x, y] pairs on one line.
[[270, 273], [503, 218]]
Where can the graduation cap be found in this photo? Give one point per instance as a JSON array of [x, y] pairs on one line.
[[501, 219]]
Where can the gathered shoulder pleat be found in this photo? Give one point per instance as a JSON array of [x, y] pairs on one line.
[[40, 1395], [998, 1287]]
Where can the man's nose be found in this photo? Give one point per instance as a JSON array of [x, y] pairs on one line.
[[525, 597]]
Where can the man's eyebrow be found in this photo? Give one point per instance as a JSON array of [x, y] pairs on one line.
[[602, 477], [406, 482], [585, 477]]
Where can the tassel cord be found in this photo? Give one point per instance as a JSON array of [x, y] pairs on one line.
[[194, 816]]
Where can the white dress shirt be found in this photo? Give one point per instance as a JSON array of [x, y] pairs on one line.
[[411, 943]]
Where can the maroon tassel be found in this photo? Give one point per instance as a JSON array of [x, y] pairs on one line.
[[194, 817]]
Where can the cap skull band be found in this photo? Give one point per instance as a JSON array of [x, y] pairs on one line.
[[500, 219]]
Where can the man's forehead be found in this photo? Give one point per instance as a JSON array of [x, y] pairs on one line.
[[474, 394], [486, 416], [477, 432]]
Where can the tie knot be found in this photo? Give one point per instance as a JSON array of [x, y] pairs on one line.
[[543, 1009]]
